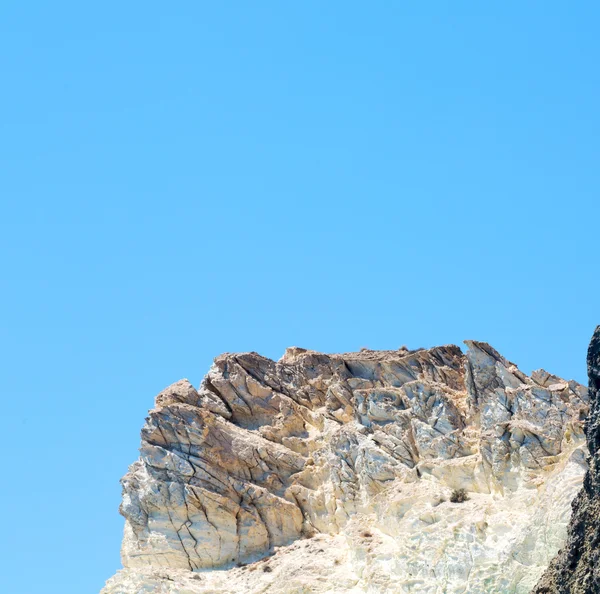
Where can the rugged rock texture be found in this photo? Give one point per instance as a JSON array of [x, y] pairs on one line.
[[576, 570], [335, 473]]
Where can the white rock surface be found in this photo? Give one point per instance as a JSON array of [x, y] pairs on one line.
[[334, 473]]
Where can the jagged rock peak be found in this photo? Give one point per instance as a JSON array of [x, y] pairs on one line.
[[576, 569], [422, 471]]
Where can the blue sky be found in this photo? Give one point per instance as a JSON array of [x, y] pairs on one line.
[[177, 181]]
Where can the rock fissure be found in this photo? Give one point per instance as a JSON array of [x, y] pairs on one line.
[[177, 531]]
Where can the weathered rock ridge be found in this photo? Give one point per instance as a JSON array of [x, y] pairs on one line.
[[576, 569], [335, 473]]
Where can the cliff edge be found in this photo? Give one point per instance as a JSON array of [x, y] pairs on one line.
[[576, 569]]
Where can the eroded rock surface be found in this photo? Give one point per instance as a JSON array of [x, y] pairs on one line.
[[335, 473], [576, 570]]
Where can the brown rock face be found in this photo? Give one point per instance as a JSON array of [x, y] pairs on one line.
[[576, 569], [343, 471]]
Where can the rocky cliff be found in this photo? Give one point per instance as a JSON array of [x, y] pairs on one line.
[[576, 570], [422, 471]]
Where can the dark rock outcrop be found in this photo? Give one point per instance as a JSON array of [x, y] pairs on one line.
[[576, 569]]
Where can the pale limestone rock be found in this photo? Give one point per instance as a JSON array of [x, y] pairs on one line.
[[335, 472]]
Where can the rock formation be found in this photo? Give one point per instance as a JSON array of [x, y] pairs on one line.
[[343, 473], [576, 569]]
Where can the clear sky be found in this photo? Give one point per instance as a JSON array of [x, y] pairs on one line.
[[179, 180]]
